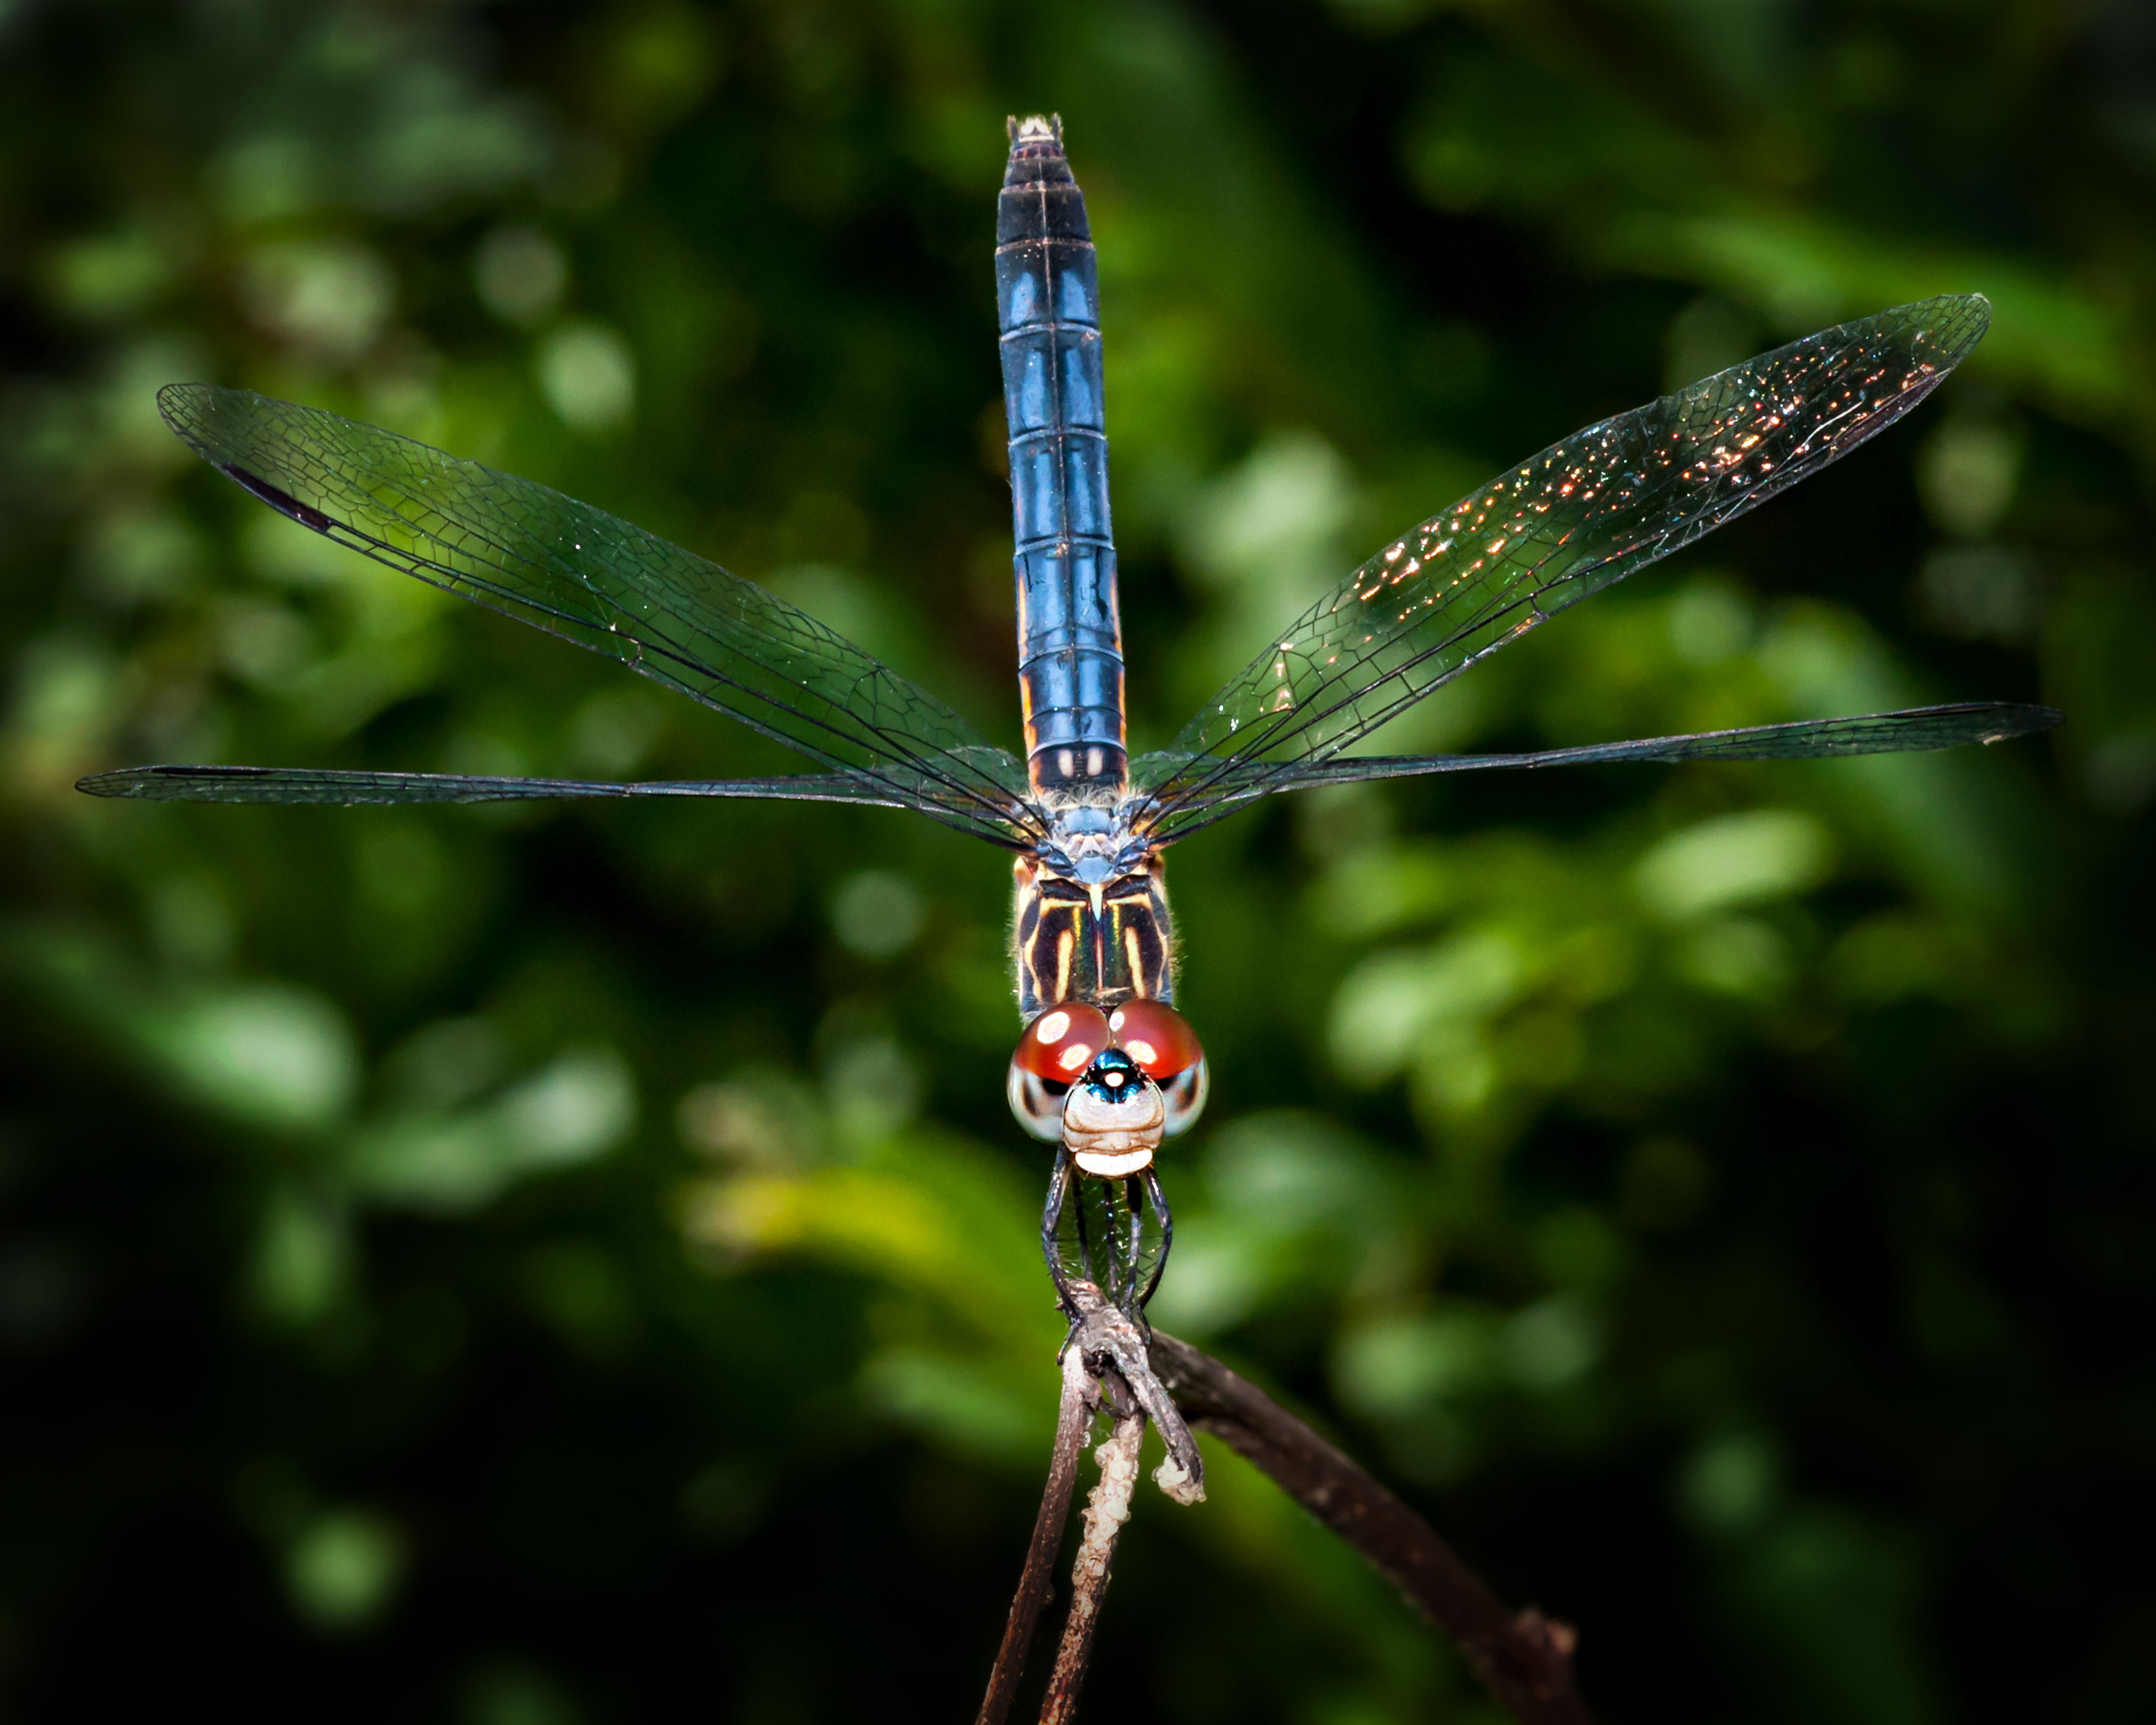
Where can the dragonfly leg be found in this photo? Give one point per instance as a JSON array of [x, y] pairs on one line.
[[1079, 1231], [1159, 1200], [1052, 1216], [1134, 1197]]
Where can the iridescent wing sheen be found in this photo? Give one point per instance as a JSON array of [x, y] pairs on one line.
[[1912, 730], [1566, 523], [561, 566]]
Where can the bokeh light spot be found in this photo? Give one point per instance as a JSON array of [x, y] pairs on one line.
[[588, 376]]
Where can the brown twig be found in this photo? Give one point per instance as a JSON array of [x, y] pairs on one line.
[[1525, 1661], [1107, 1509], [1117, 1348], [1109, 1345], [1073, 1419]]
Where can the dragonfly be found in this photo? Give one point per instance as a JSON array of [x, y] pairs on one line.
[[1106, 1069]]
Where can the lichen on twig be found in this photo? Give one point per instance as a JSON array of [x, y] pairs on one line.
[[1107, 1509], [1524, 1660], [1105, 1347]]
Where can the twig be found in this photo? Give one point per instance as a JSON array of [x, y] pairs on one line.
[[1525, 1661], [1117, 1347], [1073, 1419], [1107, 1509], [1107, 1344]]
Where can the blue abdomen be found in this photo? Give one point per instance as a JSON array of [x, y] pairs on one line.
[[1069, 637]]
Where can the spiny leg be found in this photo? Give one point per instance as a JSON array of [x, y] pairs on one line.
[[1166, 1231], [1134, 1197], [1078, 1228], [1052, 1216]]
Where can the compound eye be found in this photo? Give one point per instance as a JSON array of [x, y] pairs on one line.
[[1060, 1044], [1036, 1104], [1184, 1096], [1158, 1037], [1052, 1055]]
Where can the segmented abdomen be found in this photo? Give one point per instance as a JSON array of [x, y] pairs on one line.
[[1070, 638]]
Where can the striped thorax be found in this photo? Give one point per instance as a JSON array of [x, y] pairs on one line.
[[1090, 919]]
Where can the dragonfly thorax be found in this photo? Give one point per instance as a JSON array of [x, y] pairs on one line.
[[1091, 922]]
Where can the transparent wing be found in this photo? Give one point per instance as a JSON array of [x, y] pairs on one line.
[[347, 787], [1566, 523], [578, 573], [1912, 730]]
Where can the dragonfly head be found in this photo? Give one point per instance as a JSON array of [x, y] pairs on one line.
[[1108, 1086]]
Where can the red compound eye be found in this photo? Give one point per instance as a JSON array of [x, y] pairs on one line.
[[1060, 1044], [1157, 1037]]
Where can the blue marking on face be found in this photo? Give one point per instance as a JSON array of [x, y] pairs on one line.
[[1115, 1078]]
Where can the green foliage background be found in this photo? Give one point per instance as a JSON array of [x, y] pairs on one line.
[[526, 1266]]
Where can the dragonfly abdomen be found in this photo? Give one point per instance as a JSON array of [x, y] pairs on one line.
[[1069, 636]]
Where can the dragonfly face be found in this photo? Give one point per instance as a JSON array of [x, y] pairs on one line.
[[1114, 1118], [1108, 1086], [1094, 950]]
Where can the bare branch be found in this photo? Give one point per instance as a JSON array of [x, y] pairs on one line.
[[1107, 1509], [1073, 1419], [1116, 1345], [1525, 1661], [1107, 1344]]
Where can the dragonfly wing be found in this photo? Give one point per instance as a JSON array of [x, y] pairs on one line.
[[604, 583], [1583, 514], [344, 786], [1909, 730]]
